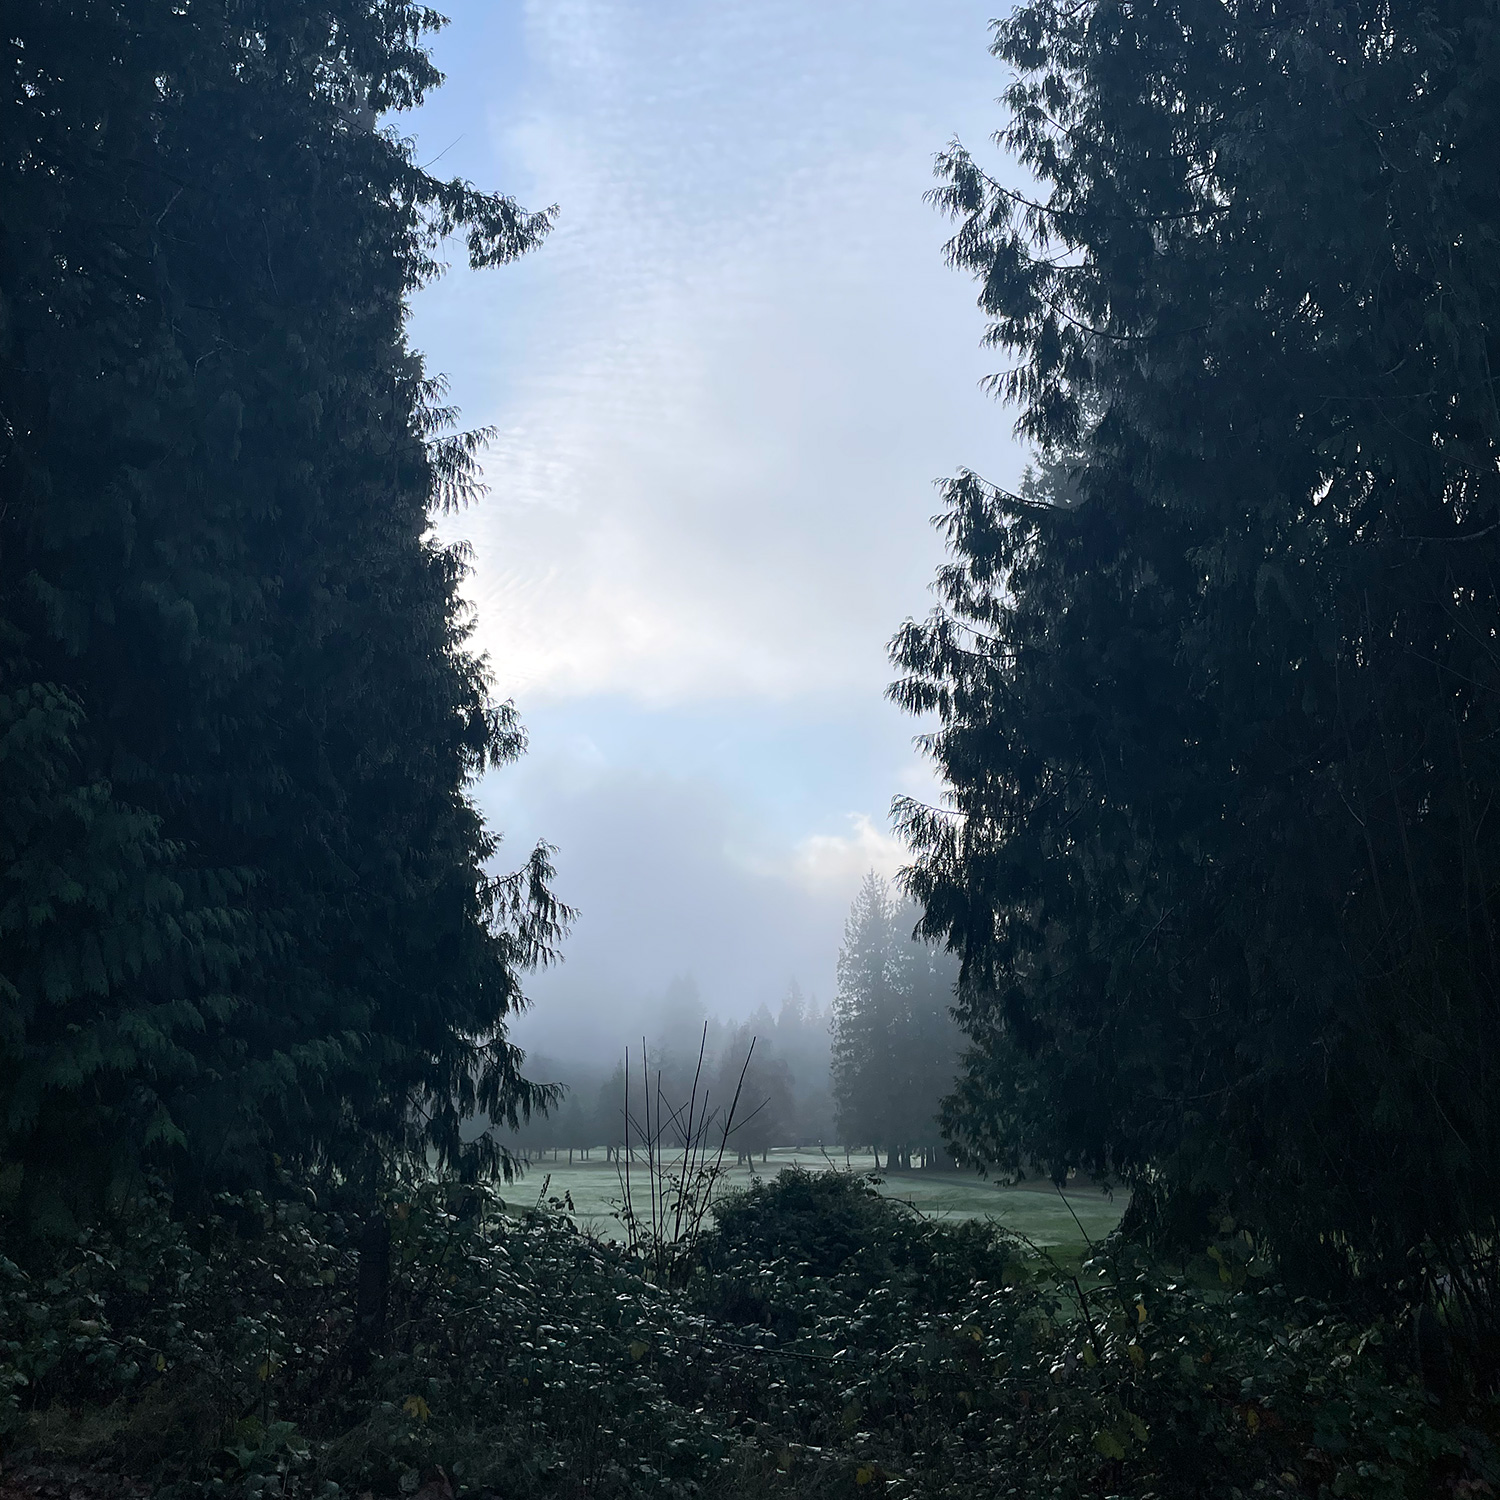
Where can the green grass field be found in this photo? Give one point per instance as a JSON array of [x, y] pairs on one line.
[[1035, 1210]]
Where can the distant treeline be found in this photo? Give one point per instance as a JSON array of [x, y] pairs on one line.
[[781, 1080], [870, 1073]]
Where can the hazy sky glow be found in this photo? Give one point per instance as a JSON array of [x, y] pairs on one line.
[[723, 389]]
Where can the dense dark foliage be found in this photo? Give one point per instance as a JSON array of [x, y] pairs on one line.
[[1219, 690], [830, 1344], [245, 902]]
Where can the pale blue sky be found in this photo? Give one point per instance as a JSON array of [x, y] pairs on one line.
[[723, 390]]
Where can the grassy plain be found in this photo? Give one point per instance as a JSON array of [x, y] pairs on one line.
[[1036, 1210]]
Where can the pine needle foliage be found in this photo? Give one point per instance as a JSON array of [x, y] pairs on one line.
[[1219, 690], [247, 904]]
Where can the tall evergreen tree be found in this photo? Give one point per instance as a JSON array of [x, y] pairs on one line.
[[894, 1042], [1219, 690], [246, 902]]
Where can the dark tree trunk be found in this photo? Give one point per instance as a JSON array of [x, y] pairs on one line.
[[372, 1291]]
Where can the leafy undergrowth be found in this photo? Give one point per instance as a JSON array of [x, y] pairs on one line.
[[828, 1343]]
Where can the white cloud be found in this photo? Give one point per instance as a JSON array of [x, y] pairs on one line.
[[732, 373], [824, 860]]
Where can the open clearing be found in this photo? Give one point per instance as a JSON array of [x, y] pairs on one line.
[[1036, 1210]]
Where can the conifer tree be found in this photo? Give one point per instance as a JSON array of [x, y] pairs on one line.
[[246, 901], [1219, 689], [894, 1043]]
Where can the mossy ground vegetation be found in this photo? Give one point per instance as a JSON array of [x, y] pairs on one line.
[[828, 1342]]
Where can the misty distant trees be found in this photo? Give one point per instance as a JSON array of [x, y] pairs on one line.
[[872, 1073], [757, 1083], [895, 1044], [803, 1037], [785, 1098]]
